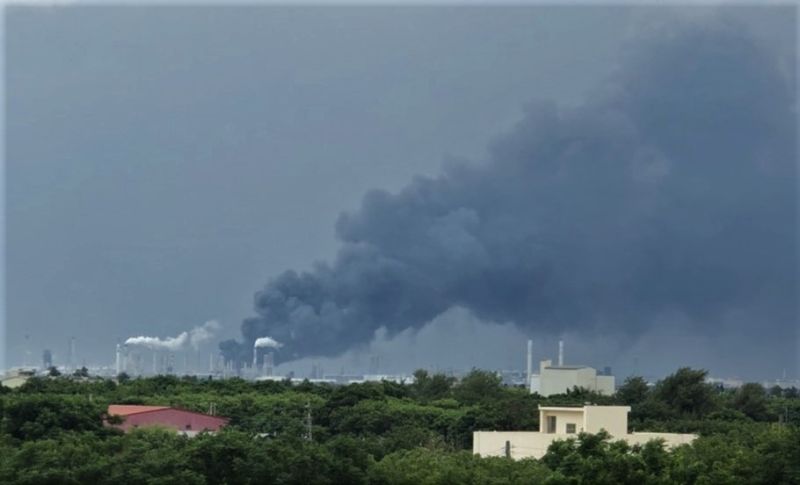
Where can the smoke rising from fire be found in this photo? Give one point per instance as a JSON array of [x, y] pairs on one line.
[[671, 190]]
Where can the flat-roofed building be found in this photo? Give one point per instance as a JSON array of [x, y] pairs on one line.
[[560, 423], [16, 378], [558, 379]]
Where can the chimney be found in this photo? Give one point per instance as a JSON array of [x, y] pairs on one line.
[[530, 363], [269, 360], [119, 359], [560, 353], [124, 358], [71, 355]]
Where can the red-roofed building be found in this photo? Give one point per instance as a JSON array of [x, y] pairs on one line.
[[186, 422]]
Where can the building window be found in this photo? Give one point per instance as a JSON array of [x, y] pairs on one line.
[[551, 424], [571, 428]]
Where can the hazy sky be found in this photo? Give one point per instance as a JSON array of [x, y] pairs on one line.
[[163, 164]]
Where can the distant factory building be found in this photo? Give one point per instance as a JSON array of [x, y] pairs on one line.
[[181, 420], [558, 379], [560, 423], [16, 378]]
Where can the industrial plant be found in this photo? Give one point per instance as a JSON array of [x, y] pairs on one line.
[[560, 378], [150, 356]]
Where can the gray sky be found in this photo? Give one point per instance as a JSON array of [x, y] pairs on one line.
[[164, 163]]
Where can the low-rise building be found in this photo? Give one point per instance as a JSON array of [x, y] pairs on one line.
[[181, 420], [16, 378], [560, 423], [558, 379]]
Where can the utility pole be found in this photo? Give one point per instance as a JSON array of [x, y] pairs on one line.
[[27, 351], [309, 435]]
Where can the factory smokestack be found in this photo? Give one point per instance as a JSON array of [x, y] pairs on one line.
[[530, 364], [560, 353], [269, 362], [72, 355], [119, 360], [264, 342]]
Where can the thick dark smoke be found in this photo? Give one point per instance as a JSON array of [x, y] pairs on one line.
[[670, 192]]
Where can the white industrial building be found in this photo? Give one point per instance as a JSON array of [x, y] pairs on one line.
[[558, 379], [560, 423], [16, 378]]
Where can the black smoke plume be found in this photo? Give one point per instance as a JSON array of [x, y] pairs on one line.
[[671, 191]]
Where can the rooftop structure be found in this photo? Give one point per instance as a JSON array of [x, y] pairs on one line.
[[559, 423]]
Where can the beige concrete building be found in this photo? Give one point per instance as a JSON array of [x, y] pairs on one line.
[[16, 378], [559, 423], [558, 379]]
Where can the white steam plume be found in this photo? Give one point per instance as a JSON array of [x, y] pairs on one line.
[[267, 342], [193, 338], [156, 343], [203, 333]]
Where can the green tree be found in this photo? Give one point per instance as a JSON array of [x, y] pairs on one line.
[[82, 372], [152, 456], [687, 393], [751, 399], [633, 391], [438, 467], [36, 417], [351, 460], [431, 387], [478, 386], [222, 458], [72, 458], [594, 459]]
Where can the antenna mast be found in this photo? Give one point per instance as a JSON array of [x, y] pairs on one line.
[[309, 435]]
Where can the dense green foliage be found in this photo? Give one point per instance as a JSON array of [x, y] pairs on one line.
[[51, 431]]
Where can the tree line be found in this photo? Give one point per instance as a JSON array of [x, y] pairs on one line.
[[51, 431]]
